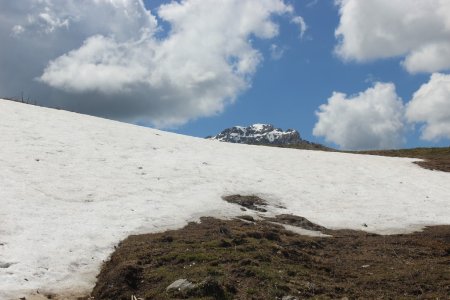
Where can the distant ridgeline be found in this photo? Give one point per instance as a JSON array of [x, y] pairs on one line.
[[265, 134]]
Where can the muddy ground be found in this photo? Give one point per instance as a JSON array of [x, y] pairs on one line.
[[248, 259]]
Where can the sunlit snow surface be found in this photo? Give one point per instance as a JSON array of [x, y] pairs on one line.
[[73, 186]]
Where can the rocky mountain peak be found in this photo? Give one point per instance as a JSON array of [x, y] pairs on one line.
[[259, 134]]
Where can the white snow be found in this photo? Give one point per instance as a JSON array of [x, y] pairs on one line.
[[302, 231], [73, 186], [259, 127]]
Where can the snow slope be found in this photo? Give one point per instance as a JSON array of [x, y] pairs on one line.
[[72, 186]]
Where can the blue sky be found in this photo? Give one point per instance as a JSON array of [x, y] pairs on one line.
[[288, 91], [367, 74]]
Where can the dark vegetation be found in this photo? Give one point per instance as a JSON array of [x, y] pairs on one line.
[[248, 259]]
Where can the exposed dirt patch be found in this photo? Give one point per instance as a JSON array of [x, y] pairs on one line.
[[248, 259], [251, 202]]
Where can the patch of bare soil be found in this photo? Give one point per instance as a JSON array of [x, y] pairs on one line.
[[249, 259], [251, 202]]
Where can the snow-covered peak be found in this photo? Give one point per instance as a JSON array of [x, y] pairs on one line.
[[259, 134]]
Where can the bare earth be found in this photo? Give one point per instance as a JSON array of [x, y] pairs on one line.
[[244, 259]]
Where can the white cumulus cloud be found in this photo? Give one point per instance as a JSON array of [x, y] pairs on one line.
[[372, 119], [417, 30], [431, 105], [113, 58]]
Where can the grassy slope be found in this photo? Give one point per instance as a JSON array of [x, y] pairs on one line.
[[238, 259]]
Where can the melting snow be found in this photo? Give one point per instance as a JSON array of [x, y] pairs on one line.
[[73, 186]]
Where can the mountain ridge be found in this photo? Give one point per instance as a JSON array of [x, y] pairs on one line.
[[266, 135]]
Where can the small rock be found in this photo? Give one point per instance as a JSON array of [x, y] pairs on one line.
[[180, 285], [289, 298], [5, 265], [224, 230]]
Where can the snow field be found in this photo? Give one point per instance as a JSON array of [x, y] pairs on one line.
[[72, 186]]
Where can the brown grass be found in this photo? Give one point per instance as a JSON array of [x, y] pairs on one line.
[[244, 259]]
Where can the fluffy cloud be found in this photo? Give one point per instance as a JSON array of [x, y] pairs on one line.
[[431, 105], [113, 58], [416, 29], [372, 119]]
